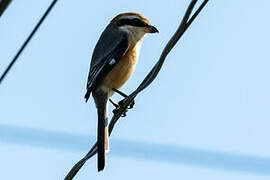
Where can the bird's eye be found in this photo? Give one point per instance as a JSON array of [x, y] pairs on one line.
[[132, 22], [138, 22]]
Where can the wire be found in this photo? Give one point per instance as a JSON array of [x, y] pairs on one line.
[[26, 42], [3, 6]]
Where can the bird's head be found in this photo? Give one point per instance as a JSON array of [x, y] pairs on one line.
[[134, 24]]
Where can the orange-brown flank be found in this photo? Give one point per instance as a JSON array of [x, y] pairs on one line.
[[122, 71]]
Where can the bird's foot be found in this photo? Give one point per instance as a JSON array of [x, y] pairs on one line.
[[130, 106], [116, 111], [120, 104]]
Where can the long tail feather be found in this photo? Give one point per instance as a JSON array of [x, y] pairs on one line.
[[102, 137]]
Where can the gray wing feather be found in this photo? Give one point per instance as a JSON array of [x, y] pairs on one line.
[[111, 45]]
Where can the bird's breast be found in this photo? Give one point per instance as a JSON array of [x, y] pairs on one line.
[[122, 71]]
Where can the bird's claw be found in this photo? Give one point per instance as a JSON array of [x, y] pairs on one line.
[[116, 110], [120, 104], [131, 104]]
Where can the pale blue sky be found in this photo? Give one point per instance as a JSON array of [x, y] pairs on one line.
[[216, 81]]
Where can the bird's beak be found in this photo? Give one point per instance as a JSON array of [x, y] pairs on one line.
[[152, 29]]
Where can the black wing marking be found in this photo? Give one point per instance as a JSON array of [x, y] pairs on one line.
[[112, 45]]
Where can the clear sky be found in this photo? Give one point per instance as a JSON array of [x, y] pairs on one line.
[[206, 116]]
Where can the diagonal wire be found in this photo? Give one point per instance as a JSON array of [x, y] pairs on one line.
[[185, 23], [26, 42], [4, 5]]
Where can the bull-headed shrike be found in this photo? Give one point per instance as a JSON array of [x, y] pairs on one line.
[[113, 61]]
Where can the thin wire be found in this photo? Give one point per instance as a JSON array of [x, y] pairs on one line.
[[26, 42], [4, 5]]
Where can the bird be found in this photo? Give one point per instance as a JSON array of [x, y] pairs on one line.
[[113, 61]]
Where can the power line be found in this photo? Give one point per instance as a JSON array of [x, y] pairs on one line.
[[3, 6], [27, 40], [172, 154]]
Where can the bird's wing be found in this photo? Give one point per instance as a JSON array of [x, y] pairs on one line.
[[111, 46]]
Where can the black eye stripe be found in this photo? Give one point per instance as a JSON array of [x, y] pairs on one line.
[[132, 22]]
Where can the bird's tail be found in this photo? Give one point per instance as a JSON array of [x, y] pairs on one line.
[[103, 136]]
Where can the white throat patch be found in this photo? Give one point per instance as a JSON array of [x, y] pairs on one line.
[[135, 34]]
